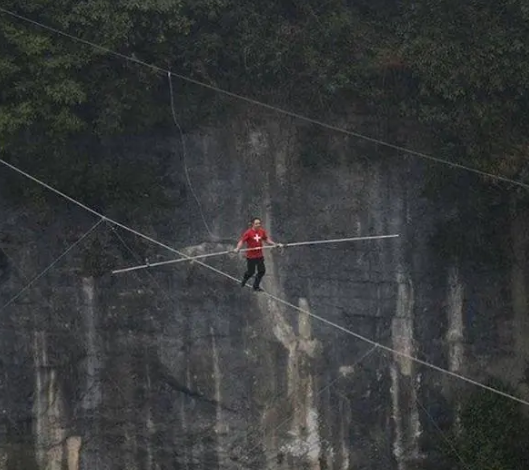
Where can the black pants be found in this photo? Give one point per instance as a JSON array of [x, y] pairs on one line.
[[252, 264]]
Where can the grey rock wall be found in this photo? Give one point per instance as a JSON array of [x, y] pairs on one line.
[[178, 368]]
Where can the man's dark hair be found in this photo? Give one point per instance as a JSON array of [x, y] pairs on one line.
[[253, 219]]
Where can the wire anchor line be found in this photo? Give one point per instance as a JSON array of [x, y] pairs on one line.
[[184, 157], [52, 264], [227, 252]]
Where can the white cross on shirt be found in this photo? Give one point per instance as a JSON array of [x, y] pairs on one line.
[[257, 237]]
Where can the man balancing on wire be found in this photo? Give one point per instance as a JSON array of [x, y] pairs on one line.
[[254, 237]]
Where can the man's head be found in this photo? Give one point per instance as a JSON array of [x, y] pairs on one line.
[[255, 223]]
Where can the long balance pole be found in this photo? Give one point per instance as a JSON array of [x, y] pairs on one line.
[[220, 253]]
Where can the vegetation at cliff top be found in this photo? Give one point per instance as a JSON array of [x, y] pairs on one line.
[[491, 434], [461, 68]]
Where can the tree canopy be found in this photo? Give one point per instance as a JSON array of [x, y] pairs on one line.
[[460, 67], [469, 63], [491, 433]]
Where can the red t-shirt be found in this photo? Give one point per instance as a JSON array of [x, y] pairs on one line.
[[253, 239]]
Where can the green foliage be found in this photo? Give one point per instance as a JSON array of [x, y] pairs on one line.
[[469, 69], [303, 52], [493, 433], [51, 84], [56, 93], [56, 87], [461, 67]]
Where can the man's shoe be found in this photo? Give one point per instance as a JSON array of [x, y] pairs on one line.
[[257, 289]]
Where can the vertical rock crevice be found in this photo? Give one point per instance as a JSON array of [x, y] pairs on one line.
[[404, 379], [48, 409], [520, 303], [455, 334]]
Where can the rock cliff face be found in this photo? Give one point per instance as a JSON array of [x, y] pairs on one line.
[[178, 368]]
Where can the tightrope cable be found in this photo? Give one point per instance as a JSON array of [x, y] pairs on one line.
[[277, 299]]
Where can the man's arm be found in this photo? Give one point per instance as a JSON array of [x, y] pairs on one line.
[[269, 241], [243, 238]]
